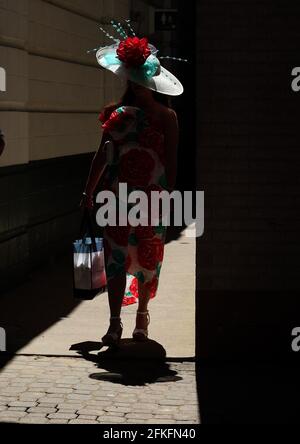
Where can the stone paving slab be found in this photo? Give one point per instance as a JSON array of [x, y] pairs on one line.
[[80, 391]]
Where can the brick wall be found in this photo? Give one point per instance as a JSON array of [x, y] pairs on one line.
[[248, 165]]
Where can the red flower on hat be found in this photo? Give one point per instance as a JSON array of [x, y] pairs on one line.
[[134, 51]]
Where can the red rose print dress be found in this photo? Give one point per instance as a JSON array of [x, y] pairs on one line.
[[139, 162]]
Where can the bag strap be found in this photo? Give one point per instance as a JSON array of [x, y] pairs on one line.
[[86, 227]]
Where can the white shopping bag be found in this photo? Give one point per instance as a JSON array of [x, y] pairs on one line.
[[89, 277]]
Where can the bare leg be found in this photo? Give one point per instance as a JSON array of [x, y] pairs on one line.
[[144, 298], [116, 289]]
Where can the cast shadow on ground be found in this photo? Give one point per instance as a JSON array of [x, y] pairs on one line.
[[44, 299], [174, 233], [132, 363]]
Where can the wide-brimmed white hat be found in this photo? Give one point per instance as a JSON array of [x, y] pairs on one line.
[[136, 60]]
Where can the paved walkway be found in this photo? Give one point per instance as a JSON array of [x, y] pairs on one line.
[[76, 391], [61, 374], [49, 320]]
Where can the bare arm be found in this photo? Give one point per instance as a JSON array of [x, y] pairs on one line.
[[96, 171], [2, 142], [171, 147]]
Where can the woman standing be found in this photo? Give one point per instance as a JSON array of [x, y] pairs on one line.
[[144, 132]]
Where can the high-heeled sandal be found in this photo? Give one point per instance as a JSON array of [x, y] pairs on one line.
[[113, 338], [141, 334]]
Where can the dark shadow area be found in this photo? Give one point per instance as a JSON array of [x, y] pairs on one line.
[[36, 234], [186, 104], [174, 233], [248, 393], [248, 164], [131, 363], [249, 373], [33, 307]]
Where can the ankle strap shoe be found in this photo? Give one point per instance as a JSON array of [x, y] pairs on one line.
[[113, 337], [141, 334]]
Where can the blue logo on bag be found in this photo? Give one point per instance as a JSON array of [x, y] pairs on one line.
[[84, 245]]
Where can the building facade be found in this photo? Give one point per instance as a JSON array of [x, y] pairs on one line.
[[48, 113], [55, 91]]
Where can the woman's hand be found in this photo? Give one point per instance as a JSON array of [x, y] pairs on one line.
[[86, 202]]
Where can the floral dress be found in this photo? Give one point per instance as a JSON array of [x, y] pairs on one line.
[[139, 162]]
